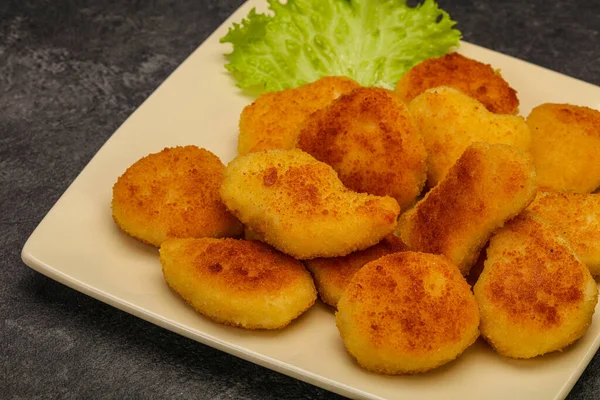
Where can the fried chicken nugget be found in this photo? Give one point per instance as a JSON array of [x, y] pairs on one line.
[[332, 275], [565, 146], [489, 184], [475, 79], [371, 140], [450, 121], [299, 206], [577, 217], [237, 282], [406, 313], [173, 193], [533, 294], [271, 121]]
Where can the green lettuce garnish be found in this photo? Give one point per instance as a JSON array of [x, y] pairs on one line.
[[372, 41]]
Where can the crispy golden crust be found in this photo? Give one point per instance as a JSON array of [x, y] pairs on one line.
[[471, 77], [238, 282], [565, 146], [489, 184], [450, 121], [371, 141], [173, 193], [271, 121], [534, 295], [332, 275], [298, 205], [577, 217], [407, 313]]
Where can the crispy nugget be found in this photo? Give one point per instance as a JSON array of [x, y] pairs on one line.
[[565, 147], [299, 206], [271, 121], [475, 79], [173, 193], [533, 294], [406, 313], [489, 184], [371, 141], [237, 282], [577, 217], [332, 275], [450, 121]]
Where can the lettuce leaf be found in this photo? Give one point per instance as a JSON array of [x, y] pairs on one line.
[[372, 41]]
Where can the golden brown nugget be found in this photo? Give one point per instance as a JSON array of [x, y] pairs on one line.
[[489, 184], [237, 282], [565, 147], [475, 79], [450, 121], [406, 313], [577, 217], [332, 275], [371, 141], [533, 294], [299, 206], [173, 193], [271, 121]]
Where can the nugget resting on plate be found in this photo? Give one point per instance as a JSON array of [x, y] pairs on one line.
[[577, 217], [475, 79], [371, 141], [299, 206], [533, 294], [270, 122], [332, 275], [173, 193], [406, 313], [237, 282], [450, 121], [565, 146], [489, 184]]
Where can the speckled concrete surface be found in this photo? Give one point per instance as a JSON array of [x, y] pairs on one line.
[[71, 71]]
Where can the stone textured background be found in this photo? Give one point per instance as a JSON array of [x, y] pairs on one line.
[[71, 71]]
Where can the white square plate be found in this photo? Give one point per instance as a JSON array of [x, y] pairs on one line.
[[78, 244]]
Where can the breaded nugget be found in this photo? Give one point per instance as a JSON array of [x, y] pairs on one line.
[[271, 121], [406, 313], [565, 146], [371, 141], [577, 217], [237, 282], [450, 121], [475, 79], [332, 275], [533, 294], [173, 193], [489, 184], [299, 206]]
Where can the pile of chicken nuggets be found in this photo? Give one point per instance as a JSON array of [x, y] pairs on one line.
[[385, 204]]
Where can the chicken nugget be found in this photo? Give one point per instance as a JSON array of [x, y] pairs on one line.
[[406, 313], [299, 206], [577, 217], [371, 141], [475, 79], [237, 282], [489, 184], [534, 295], [450, 121], [173, 193], [565, 146], [271, 121], [332, 275]]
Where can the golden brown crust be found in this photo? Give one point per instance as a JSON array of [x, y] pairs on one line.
[[477, 80], [173, 193]]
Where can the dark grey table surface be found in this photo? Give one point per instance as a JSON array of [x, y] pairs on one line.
[[71, 71]]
